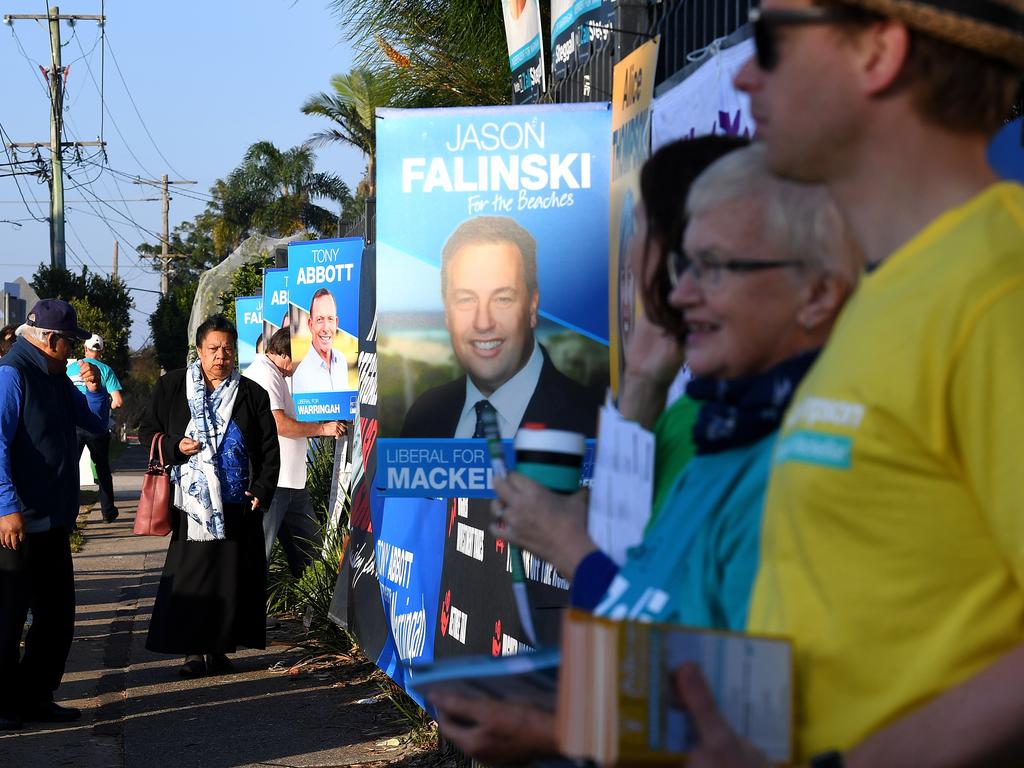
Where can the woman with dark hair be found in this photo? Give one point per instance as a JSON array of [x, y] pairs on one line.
[[220, 440]]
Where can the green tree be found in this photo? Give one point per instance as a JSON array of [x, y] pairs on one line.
[[169, 325], [350, 107], [103, 305], [437, 54], [247, 280], [272, 193]]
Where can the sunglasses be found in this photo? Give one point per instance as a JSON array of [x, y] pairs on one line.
[[69, 340], [767, 22]]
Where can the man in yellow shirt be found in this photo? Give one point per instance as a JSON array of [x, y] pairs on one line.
[[893, 545]]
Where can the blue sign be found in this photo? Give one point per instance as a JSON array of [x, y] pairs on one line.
[[1006, 152], [249, 322], [517, 197], [323, 311], [408, 554], [446, 468], [275, 301]]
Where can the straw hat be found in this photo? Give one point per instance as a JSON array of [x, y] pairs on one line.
[[992, 27]]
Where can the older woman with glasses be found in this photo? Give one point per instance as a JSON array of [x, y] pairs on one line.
[[763, 269], [220, 439]]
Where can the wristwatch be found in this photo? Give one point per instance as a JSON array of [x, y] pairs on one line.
[[830, 759]]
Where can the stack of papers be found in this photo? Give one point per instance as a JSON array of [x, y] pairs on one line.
[[616, 696], [622, 487]]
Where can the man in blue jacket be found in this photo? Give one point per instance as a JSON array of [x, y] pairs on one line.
[[39, 411]]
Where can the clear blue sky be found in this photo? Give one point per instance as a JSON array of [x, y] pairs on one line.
[[208, 79]]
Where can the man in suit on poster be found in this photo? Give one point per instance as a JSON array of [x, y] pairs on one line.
[[490, 294]]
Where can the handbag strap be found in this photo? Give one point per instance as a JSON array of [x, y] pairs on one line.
[[157, 446]]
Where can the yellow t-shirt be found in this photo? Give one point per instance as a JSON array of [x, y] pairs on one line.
[[893, 544]]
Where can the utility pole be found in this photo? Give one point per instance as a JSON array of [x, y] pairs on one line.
[[165, 239], [113, 272], [57, 256], [55, 77]]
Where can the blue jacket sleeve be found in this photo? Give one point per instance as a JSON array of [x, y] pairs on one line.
[[593, 576], [10, 414], [84, 416]]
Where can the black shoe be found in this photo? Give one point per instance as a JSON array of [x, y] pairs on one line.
[[9, 721], [218, 664], [109, 517], [194, 666], [49, 712]]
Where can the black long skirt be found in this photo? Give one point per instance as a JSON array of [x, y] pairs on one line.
[[212, 596]]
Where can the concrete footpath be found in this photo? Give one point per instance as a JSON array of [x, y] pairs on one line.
[[137, 712]]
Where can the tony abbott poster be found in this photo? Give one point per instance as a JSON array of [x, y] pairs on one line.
[[492, 258], [323, 313]]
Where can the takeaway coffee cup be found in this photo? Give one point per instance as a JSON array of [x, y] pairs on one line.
[[552, 457]]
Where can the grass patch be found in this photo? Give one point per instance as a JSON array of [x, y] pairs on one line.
[[86, 501]]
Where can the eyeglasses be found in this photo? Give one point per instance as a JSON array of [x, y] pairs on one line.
[[707, 270], [766, 22]]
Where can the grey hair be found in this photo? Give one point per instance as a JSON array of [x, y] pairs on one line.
[[34, 332], [802, 219]]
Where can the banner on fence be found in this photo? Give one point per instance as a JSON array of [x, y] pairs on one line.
[[706, 102], [525, 52], [323, 312]]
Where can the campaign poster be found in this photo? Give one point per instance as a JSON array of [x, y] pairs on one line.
[[275, 300], [249, 323], [492, 263], [706, 102], [525, 52], [563, 38], [594, 22], [323, 313], [632, 92]]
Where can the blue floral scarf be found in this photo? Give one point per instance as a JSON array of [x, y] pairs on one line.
[[196, 485]]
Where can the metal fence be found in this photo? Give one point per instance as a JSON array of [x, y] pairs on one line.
[[687, 27]]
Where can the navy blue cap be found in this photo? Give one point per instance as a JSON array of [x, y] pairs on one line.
[[56, 315]]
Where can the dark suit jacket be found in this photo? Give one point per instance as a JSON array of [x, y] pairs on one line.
[[558, 402], [168, 413]]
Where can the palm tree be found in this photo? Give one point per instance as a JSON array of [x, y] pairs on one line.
[[272, 192], [351, 108], [440, 54]]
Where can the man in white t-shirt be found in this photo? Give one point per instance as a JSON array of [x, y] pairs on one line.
[[291, 513]]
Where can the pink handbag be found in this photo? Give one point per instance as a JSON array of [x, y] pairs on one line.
[[153, 517]]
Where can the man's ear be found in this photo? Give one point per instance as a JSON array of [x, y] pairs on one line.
[[824, 297], [534, 303], [883, 49]]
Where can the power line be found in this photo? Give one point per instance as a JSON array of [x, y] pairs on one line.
[[138, 114], [17, 183]]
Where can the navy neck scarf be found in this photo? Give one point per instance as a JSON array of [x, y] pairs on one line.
[[737, 412]]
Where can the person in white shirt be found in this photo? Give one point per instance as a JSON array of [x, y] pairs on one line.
[[322, 369], [291, 514]]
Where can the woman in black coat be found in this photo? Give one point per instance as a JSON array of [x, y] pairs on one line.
[[221, 443]]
